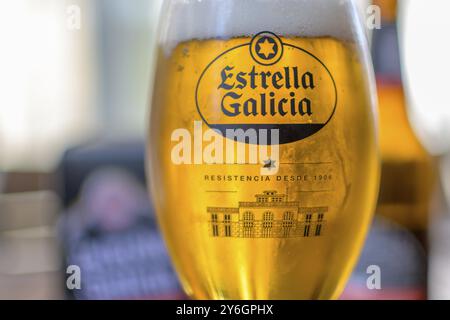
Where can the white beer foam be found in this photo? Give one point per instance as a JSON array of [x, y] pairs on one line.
[[207, 19]]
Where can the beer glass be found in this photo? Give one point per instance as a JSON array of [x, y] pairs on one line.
[[262, 150]]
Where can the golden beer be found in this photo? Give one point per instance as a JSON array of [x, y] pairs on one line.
[[233, 232]]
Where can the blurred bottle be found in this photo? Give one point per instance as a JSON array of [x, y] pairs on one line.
[[406, 184], [407, 168]]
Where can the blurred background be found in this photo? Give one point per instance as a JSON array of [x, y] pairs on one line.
[[75, 78]]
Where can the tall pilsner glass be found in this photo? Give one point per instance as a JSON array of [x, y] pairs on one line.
[[262, 149]]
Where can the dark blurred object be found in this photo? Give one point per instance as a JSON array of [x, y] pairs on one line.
[[78, 163], [401, 260], [109, 229]]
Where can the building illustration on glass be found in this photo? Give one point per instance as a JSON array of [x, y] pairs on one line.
[[270, 216]]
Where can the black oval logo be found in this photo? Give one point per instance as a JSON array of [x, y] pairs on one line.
[[267, 83]]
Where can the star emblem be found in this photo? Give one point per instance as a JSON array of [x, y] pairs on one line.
[[269, 164], [266, 48]]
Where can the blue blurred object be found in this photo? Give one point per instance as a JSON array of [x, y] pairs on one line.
[[401, 260]]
